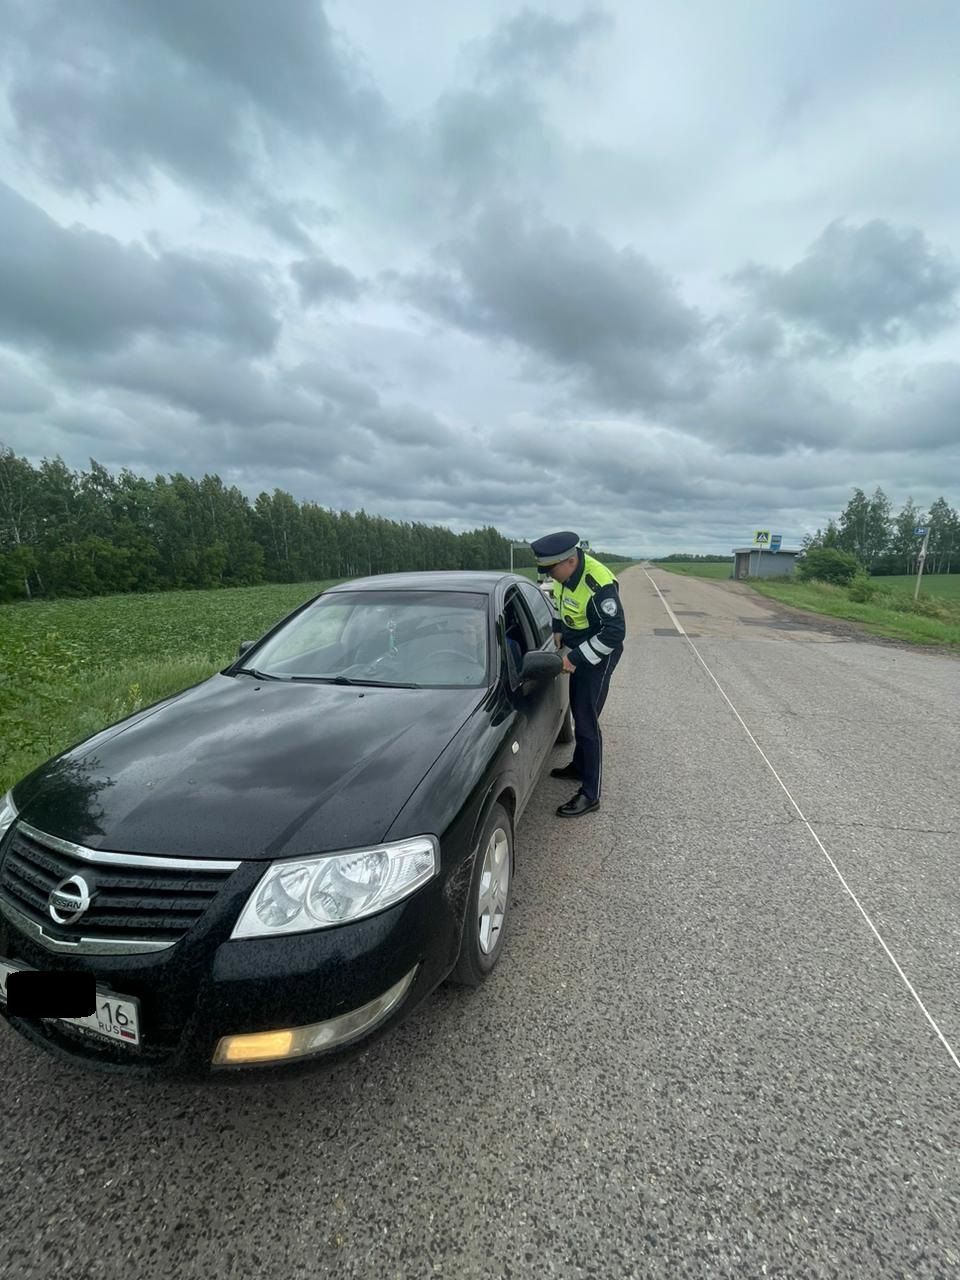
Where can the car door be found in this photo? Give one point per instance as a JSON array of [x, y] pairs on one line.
[[543, 615], [539, 703]]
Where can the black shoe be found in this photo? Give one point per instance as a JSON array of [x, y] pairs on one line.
[[578, 806], [566, 771]]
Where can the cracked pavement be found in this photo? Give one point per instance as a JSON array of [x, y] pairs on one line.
[[694, 1060]]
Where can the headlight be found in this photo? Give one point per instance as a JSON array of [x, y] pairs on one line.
[[335, 888], [8, 814]]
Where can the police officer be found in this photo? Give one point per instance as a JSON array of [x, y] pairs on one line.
[[589, 622]]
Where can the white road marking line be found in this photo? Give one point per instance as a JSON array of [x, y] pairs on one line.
[[673, 617], [856, 901]]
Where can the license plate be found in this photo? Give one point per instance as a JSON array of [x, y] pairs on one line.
[[115, 1018]]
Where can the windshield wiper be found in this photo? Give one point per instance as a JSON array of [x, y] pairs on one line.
[[257, 675], [375, 684]]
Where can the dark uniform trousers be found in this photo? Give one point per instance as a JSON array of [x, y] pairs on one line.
[[588, 692]]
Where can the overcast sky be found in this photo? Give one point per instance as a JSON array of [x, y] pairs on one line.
[[659, 273]]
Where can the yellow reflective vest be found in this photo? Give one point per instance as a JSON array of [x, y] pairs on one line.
[[589, 615]]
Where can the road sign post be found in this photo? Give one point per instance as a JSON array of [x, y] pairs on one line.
[[925, 530], [761, 539]]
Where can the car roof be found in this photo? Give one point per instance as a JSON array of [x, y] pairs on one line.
[[481, 581]]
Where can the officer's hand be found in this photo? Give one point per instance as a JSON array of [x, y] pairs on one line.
[[568, 666]]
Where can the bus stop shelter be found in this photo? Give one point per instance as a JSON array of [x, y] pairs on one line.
[[748, 562]]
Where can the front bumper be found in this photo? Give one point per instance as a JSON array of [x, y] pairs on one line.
[[356, 980]]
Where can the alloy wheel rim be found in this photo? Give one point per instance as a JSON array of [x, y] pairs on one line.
[[494, 890]]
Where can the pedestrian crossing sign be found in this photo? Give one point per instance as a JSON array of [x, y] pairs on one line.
[[762, 538]]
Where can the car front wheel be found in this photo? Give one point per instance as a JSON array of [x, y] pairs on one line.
[[488, 904]]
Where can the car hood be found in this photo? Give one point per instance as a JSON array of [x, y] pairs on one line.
[[252, 769]]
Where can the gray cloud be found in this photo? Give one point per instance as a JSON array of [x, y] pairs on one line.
[[104, 94], [771, 410], [482, 142], [407, 425], [91, 96], [754, 338], [21, 391], [312, 401], [534, 42], [285, 58], [202, 379], [83, 290], [686, 148], [333, 383], [289, 220], [868, 285], [571, 297], [917, 410], [319, 279], [279, 219]]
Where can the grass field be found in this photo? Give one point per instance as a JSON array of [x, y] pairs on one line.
[[695, 570], [935, 620], [944, 586], [70, 667]]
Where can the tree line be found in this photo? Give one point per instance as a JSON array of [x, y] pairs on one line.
[[85, 533], [885, 542], [683, 557]]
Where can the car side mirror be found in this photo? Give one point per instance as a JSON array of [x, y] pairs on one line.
[[244, 646], [541, 666]]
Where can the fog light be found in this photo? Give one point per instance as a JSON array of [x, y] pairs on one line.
[[297, 1042], [256, 1048]]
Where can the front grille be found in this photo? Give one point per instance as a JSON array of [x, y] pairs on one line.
[[133, 899]]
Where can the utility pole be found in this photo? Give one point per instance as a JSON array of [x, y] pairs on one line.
[[923, 555]]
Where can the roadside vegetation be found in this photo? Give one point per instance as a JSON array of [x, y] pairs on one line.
[[70, 533], [698, 568], [886, 611], [123, 590], [862, 567], [68, 668], [883, 605], [834, 582]]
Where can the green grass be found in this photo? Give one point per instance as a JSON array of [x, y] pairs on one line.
[[701, 569], [935, 620], [891, 613], [69, 668], [940, 585]]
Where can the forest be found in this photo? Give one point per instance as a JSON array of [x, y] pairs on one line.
[[70, 533]]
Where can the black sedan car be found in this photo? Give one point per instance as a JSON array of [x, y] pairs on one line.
[[282, 861]]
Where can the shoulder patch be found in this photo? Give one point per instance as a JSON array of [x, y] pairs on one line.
[[609, 607]]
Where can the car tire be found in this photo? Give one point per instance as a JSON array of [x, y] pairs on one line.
[[488, 902], [566, 729]]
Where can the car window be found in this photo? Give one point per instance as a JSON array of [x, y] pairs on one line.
[[318, 627], [543, 618], [520, 636], [427, 638]]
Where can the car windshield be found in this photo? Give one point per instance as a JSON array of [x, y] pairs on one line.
[[424, 638]]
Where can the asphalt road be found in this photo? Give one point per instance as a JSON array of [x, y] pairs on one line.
[[698, 1056]]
